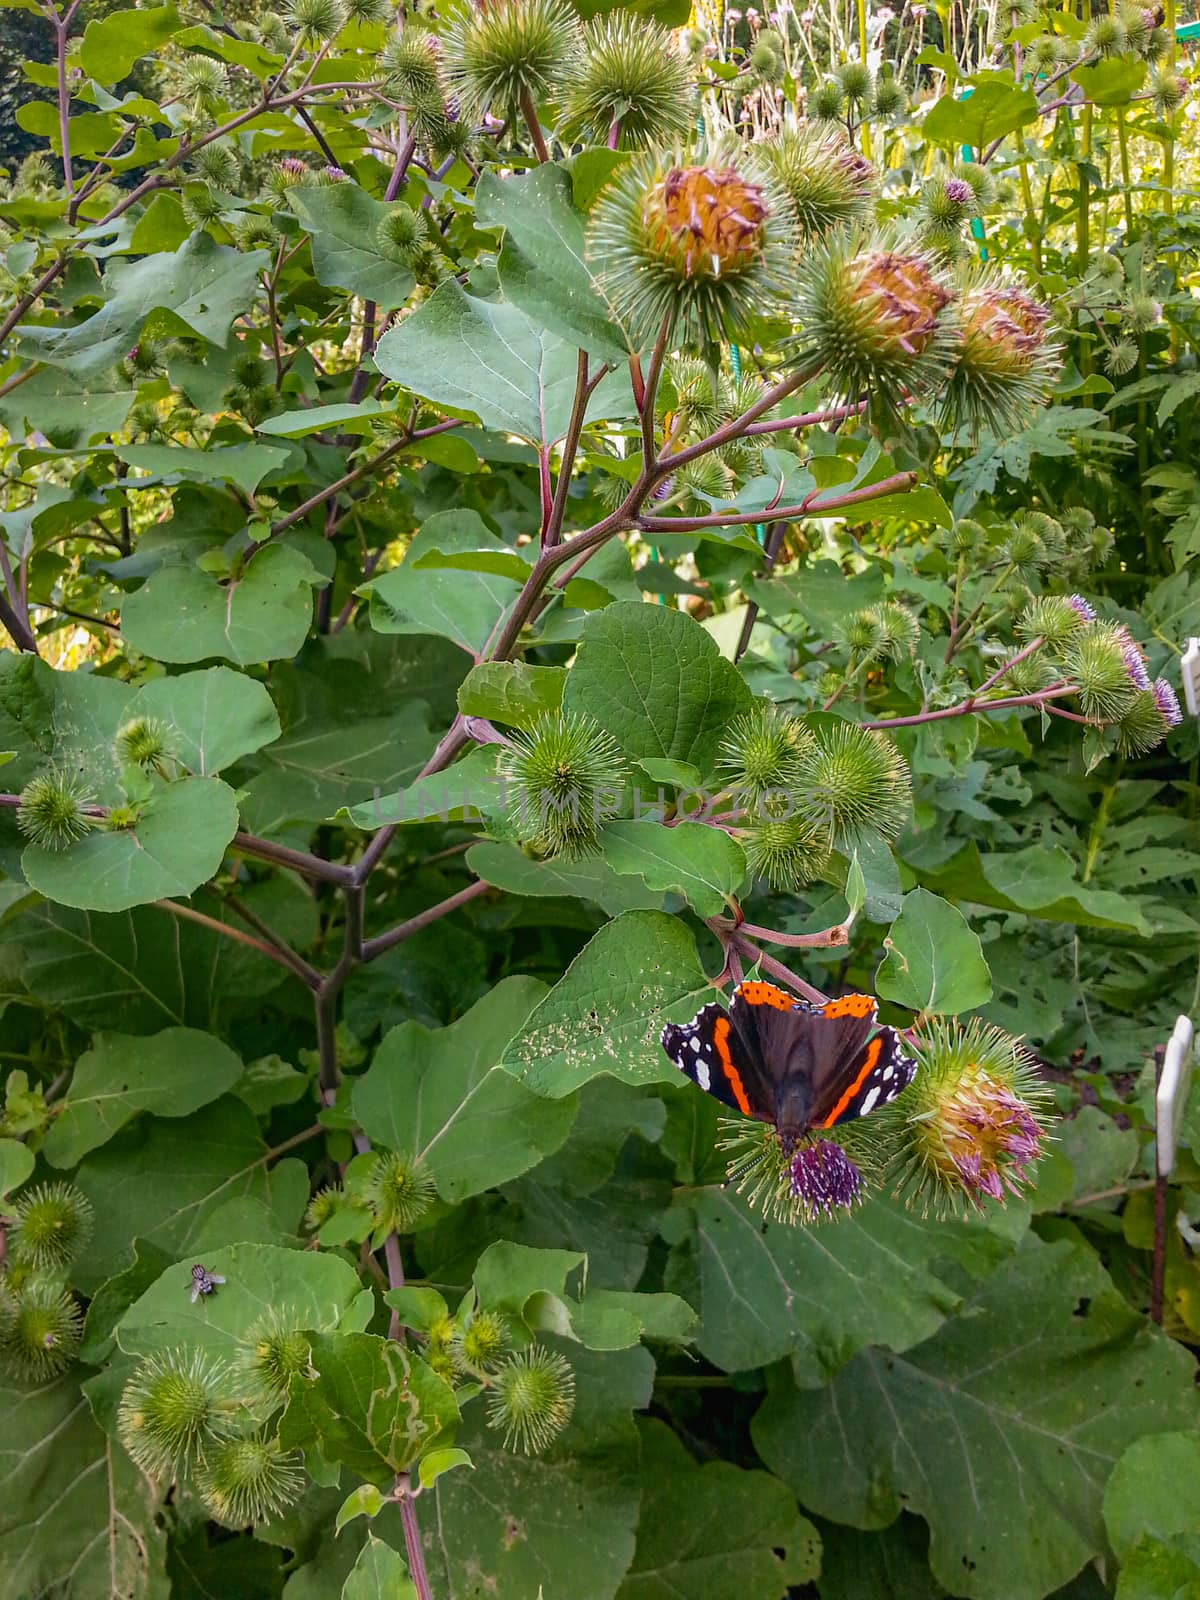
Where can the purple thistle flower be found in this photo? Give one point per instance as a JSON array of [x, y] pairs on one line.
[[294, 167], [1135, 666], [1080, 606], [335, 174], [1167, 702], [824, 1177], [959, 191]]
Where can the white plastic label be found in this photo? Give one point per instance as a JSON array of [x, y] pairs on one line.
[[1170, 1100], [1190, 670]]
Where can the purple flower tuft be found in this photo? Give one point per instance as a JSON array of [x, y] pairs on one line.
[[824, 1177], [335, 175], [959, 191], [293, 167], [1081, 607], [1135, 666], [1167, 702]]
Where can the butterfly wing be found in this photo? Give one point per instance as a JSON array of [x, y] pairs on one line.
[[865, 1071], [718, 1058]]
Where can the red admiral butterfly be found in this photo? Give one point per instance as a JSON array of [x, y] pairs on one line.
[[790, 1063]]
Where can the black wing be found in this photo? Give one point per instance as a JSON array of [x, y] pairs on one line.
[[712, 1052]]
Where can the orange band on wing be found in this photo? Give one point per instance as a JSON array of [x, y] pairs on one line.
[[873, 1052], [721, 1040], [766, 994]]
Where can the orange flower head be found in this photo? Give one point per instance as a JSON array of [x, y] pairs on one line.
[[705, 222]]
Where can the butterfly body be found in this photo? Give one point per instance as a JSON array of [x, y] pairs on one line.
[[798, 1066]]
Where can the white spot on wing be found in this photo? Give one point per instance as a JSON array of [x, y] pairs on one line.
[[703, 1076], [869, 1102]]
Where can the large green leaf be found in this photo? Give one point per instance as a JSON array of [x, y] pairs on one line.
[[493, 361], [702, 864], [993, 107], [607, 1012], [112, 44], [69, 409], [934, 961], [198, 289], [1143, 1496], [244, 465], [591, 878], [1001, 1430], [379, 1574], [372, 1405], [714, 1532], [214, 718], [171, 1074], [76, 1515], [317, 1291], [542, 267], [440, 1095], [176, 845], [16, 1164], [561, 1524], [1039, 880], [343, 223], [657, 682], [511, 692], [184, 614], [463, 607], [817, 1294], [204, 1181]]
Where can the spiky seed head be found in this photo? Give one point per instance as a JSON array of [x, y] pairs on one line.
[[1107, 36], [878, 317], [967, 537], [50, 1226], [854, 79], [40, 1328], [826, 181], [316, 20], [272, 31], [1035, 672], [980, 182], [274, 1353], [52, 812], [698, 398], [217, 163], [563, 776], [1096, 665], [1143, 727], [787, 851], [202, 81], [248, 1479], [35, 175], [403, 232], [511, 52], [1121, 358], [696, 239], [863, 632], [400, 1191], [947, 202], [172, 1409], [366, 12], [440, 1342], [411, 63], [630, 73], [1143, 313], [855, 783], [766, 61], [202, 204], [1168, 92], [821, 1181], [763, 748], [1051, 617], [531, 1399], [972, 1122], [145, 742], [480, 1347], [891, 97], [827, 101], [1006, 362]]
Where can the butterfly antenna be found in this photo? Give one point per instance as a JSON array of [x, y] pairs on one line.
[[740, 1170]]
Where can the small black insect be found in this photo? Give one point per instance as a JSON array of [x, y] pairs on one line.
[[204, 1281]]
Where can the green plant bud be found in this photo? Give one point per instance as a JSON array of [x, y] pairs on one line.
[[706, 478], [891, 97], [766, 63], [248, 1479], [275, 1352], [972, 1122], [1099, 546], [531, 1399], [399, 1192], [854, 79], [202, 81], [411, 63], [1027, 677], [856, 782], [564, 776], [825, 179], [947, 202], [452, 135], [900, 630], [247, 368], [1041, 56], [316, 21], [829, 683], [218, 164], [272, 31], [144, 419], [630, 74], [944, 242], [326, 1203], [255, 233], [511, 54], [1141, 728], [440, 1344], [1157, 45], [967, 537], [1138, 22], [403, 231], [1051, 617], [786, 851], [366, 12], [697, 395], [706, 244], [172, 1410], [878, 318], [52, 811], [827, 101], [1143, 313], [50, 1226], [1107, 36], [863, 632], [1121, 358], [35, 175], [1096, 665], [145, 359], [1006, 364], [481, 1346], [201, 205], [145, 742], [817, 1182], [40, 1327], [763, 748]]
